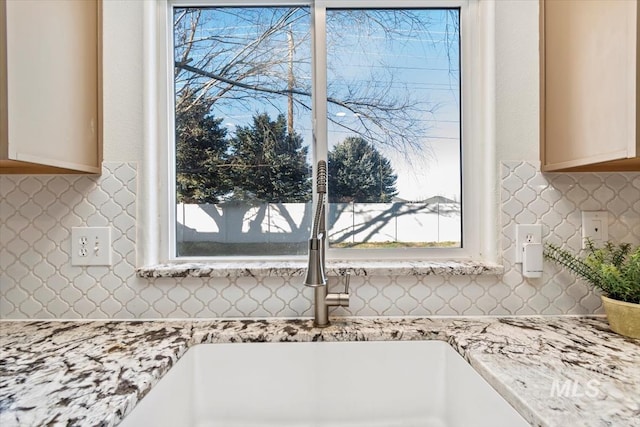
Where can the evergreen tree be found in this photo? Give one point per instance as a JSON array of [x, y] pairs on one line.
[[359, 173], [200, 154], [269, 164]]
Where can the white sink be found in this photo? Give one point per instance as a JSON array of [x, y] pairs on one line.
[[354, 384]]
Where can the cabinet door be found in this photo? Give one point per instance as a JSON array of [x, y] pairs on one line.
[[589, 82], [52, 91]]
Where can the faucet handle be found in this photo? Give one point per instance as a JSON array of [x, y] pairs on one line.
[[339, 299]]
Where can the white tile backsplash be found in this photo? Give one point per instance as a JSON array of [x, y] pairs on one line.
[[38, 281]]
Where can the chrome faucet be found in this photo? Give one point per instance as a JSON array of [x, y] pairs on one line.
[[316, 270]]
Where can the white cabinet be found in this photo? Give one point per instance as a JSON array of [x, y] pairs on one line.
[[589, 85], [50, 95]]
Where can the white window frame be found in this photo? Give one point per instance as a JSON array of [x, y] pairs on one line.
[[479, 185]]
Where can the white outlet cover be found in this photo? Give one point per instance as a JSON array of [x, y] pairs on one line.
[[595, 225], [90, 246], [526, 233]]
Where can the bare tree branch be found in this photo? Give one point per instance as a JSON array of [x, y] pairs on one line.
[[365, 108], [250, 62]]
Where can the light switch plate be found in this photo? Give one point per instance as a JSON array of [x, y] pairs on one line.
[[526, 233], [91, 246], [595, 225]]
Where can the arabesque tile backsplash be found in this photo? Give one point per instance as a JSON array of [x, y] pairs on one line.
[[38, 281]]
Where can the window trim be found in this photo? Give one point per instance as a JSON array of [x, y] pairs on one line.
[[479, 186]]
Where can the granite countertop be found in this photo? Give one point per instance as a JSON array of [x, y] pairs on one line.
[[333, 268], [92, 373]]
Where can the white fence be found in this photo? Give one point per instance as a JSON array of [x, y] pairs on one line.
[[291, 222]]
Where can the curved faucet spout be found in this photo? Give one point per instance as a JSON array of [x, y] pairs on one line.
[[315, 277]]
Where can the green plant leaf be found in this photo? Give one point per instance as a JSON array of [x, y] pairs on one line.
[[614, 269]]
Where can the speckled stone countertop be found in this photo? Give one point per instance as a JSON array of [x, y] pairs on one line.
[[334, 268], [92, 373]]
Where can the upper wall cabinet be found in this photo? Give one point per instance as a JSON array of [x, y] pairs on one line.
[[589, 85], [50, 99]]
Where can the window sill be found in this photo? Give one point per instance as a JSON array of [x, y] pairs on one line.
[[334, 268]]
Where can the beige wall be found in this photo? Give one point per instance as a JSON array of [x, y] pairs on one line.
[[517, 80], [123, 79]]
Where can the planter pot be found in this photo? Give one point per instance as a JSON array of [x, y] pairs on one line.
[[624, 317]]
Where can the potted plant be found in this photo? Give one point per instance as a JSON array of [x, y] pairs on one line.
[[615, 271]]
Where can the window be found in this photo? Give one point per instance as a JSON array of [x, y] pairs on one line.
[[242, 130], [259, 93], [393, 127]]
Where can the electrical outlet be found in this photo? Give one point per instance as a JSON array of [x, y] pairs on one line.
[[595, 225], [526, 233], [91, 246]]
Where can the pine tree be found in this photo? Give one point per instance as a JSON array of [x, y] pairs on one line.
[[359, 173], [269, 164], [200, 154]]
